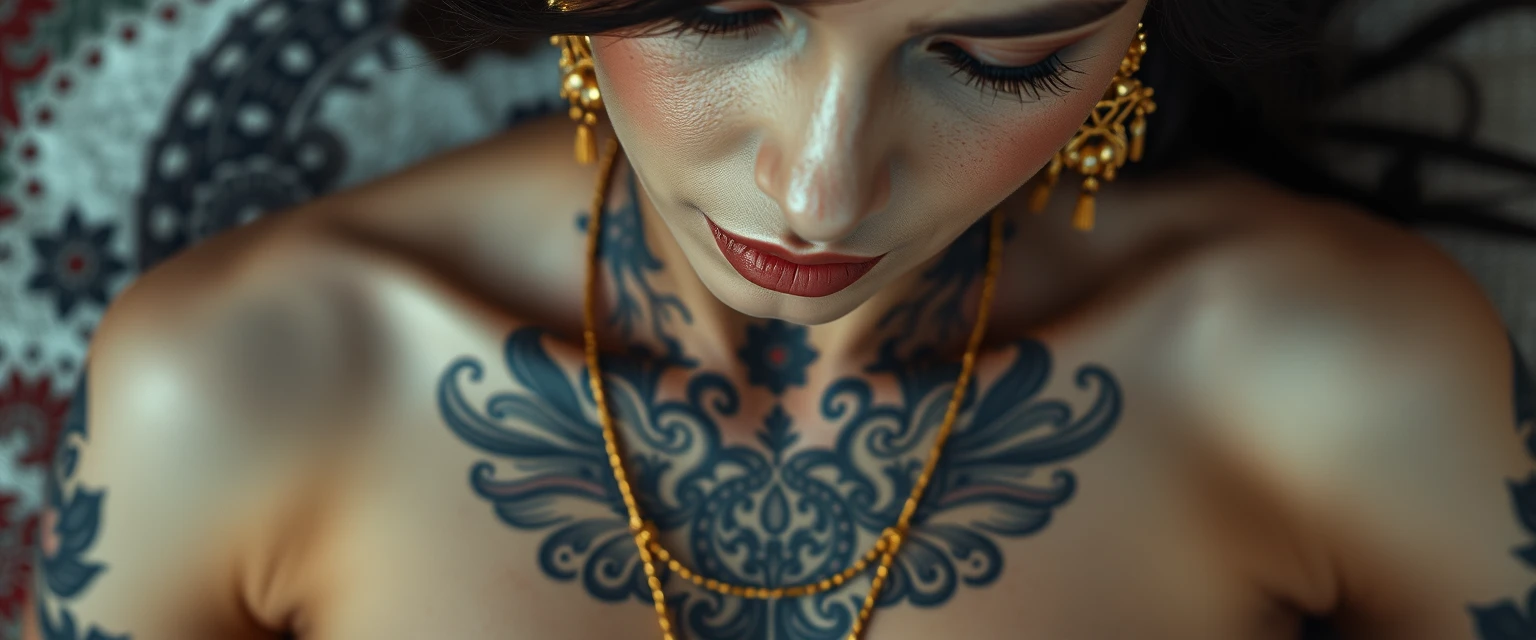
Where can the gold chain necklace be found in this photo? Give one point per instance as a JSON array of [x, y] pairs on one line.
[[644, 533]]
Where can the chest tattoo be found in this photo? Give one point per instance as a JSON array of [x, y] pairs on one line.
[[758, 511]]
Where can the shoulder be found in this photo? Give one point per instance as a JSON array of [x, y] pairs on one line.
[[1323, 331], [1332, 303], [226, 385], [238, 362], [285, 324], [1334, 318], [284, 308], [1359, 372], [201, 380], [248, 325]]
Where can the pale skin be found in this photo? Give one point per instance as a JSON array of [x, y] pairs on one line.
[[1283, 407]]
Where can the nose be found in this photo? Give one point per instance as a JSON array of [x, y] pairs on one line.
[[826, 163]]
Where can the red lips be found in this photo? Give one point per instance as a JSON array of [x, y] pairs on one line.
[[770, 267]]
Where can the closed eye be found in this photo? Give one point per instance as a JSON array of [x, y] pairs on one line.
[[710, 22], [1045, 77]]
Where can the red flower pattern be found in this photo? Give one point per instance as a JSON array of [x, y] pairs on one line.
[[16, 558], [36, 412], [17, 27], [33, 410]]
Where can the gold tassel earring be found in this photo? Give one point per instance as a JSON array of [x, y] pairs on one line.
[[578, 85], [1105, 142]]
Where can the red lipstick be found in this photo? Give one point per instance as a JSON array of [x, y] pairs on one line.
[[771, 267]]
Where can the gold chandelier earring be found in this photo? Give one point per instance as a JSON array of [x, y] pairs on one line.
[[1105, 142], [578, 85]]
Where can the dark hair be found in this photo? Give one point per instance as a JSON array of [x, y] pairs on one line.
[[1239, 79]]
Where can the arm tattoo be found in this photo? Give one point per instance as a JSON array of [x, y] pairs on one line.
[[76, 519], [1510, 619], [756, 513]]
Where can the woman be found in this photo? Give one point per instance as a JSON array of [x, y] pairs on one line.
[[1225, 409]]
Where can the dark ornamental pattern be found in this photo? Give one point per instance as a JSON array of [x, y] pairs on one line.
[[76, 266], [776, 355]]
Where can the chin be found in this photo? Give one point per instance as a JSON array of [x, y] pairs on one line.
[[751, 300]]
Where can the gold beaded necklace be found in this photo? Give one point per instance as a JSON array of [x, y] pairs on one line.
[[644, 533]]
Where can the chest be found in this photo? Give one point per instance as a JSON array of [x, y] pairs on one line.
[[1065, 504]]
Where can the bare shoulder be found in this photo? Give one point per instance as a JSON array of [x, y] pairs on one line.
[[200, 377], [1361, 373], [1310, 313], [1322, 279], [226, 383], [1358, 376], [1311, 330], [274, 321], [291, 298], [239, 319]]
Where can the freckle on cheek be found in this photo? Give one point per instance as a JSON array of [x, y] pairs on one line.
[[1000, 163]]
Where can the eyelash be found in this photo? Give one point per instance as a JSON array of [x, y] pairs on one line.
[[1046, 76], [706, 22]]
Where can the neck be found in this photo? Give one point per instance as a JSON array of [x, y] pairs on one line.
[[657, 299]]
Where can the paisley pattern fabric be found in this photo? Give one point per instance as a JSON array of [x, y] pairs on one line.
[[131, 129]]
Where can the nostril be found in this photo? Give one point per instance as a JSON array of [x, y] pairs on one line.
[[793, 240]]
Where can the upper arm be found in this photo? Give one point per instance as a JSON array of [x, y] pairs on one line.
[[1433, 524], [159, 482], [1514, 616], [130, 545]]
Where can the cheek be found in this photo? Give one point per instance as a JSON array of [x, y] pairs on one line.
[[656, 95], [622, 69], [1000, 157]]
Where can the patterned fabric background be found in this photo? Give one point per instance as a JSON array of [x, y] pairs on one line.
[[1476, 85], [130, 129]]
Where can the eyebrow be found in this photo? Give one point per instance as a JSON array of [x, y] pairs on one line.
[[1058, 16]]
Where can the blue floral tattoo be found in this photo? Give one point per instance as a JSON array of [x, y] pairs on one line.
[[944, 285], [761, 512], [776, 355], [66, 573], [1511, 619], [629, 262], [755, 517]]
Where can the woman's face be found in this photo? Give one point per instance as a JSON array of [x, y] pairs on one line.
[[804, 157]]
